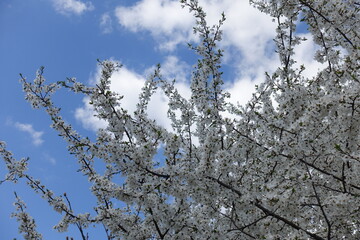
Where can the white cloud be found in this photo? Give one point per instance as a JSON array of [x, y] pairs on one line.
[[106, 23], [86, 117], [247, 40], [76, 7], [128, 83], [49, 158], [28, 128], [243, 87], [245, 27], [247, 35], [164, 19], [174, 68], [157, 16], [304, 55], [125, 82], [242, 90]]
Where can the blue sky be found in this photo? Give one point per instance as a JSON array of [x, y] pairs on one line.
[[67, 37]]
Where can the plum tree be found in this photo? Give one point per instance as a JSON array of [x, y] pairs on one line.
[[286, 166]]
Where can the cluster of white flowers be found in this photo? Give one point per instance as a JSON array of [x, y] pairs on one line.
[[27, 224], [285, 168], [15, 168]]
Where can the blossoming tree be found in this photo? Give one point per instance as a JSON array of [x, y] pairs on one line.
[[285, 167]]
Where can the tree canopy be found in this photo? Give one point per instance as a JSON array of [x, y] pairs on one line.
[[284, 166]]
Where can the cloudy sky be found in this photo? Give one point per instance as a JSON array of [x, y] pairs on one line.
[[68, 36]]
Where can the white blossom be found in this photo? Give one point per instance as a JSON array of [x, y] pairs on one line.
[[285, 167], [27, 225]]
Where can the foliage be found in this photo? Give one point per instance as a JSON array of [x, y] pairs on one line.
[[285, 167]]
